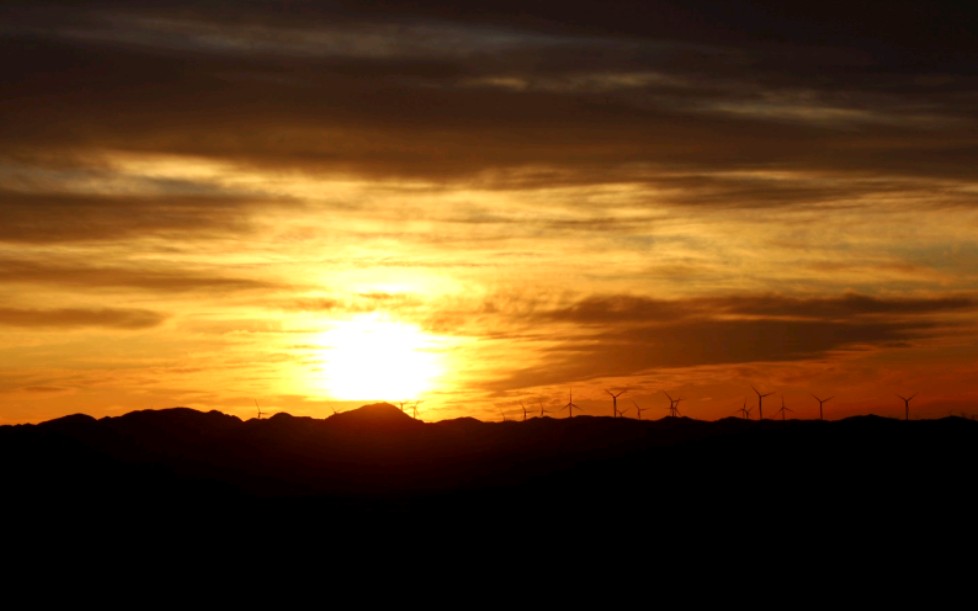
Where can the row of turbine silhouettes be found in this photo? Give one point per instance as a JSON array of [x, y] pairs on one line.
[[745, 411]]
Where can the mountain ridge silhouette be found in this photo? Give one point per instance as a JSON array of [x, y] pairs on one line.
[[378, 459]]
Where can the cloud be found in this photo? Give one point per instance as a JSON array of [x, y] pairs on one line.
[[68, 318], [45, 389], [627, 309], [626, 335], [168, 280], [621, 352], [313, 305], [360, 302], [845, 307], [583, 93], [60, 217], [622, 309]]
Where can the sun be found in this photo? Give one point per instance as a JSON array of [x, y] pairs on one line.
[[372, 357]]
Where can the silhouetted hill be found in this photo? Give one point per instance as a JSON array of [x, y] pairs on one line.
[[378, 459], [373, 418]]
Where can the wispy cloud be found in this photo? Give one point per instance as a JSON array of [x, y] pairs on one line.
[[59, 217], [625, 335], [168, 279], [625, 309], [68, 318], [391, 94]]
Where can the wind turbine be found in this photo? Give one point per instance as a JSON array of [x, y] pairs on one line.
[[523, 405], [760, 402], [414, 409], [744, 410], [906, 405], [570, 404], [614, 401], [673, 405], [542, 410], [820, 402], [259, 408], [639, 409], [784, 408]]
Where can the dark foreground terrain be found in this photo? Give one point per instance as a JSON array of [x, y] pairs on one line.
[[378, 460], [373, 487]]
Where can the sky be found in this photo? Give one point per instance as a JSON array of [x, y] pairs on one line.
[[308, 206]]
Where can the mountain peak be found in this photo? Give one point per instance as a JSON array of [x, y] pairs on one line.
[[374, 415]]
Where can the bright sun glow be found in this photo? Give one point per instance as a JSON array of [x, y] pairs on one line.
[[373, 358]]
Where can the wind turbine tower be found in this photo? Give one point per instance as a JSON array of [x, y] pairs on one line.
[[614, 401], [906, 405], [570, 404], [760, 402], [821, 414], [673, 405], [784, 408]]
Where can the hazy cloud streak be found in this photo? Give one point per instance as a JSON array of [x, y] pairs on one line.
[[68, 318]]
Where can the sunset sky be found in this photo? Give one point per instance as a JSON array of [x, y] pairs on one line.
[[317, 205]]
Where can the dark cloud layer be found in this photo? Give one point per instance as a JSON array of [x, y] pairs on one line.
[[618, 352], [896, 27], [76, 276], [626, 309], [68, 318], [625, 335], [846, 307], [431, 90], [60, 217]]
